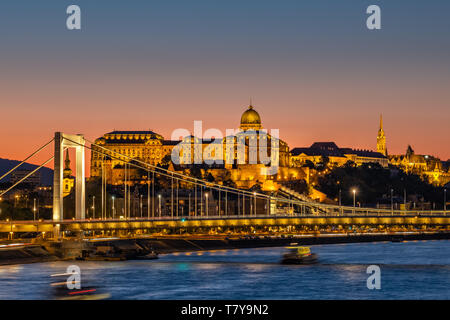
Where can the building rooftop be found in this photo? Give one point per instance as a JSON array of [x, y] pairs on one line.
[[330, 149], [131, 132]]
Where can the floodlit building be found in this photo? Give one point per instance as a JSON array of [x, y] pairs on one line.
[[335, 156], [68, 180], [34, 180], [246, 157], [435, 170]]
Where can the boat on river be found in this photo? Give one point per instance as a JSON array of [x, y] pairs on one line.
[[299, 255], [60, 289]]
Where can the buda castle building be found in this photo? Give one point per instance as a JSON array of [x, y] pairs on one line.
[[239, 158], [242, 163]]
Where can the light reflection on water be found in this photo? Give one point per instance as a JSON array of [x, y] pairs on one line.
[[409, 270]]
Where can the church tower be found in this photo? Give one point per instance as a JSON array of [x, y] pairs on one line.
[[381, 139], [68, 181]]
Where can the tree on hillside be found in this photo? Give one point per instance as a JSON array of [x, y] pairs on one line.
[[374, 182]]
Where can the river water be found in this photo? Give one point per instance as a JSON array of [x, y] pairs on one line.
[[409, 270]]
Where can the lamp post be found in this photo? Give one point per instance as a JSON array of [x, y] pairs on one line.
[[140, 204], [354, 199], [189, 205], [34, 209], [392, 201], [206, 197], [340, 202], [93, 207], [445, 201], [159, 204], [404, 197], [254, 201], [113, 207]]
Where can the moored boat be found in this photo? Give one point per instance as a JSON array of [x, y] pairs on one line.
[[151, 256]]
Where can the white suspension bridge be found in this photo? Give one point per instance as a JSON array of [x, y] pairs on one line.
[[207, 204]]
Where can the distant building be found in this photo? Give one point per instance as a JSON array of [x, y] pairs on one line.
[[336, 156], [435, 170], [430, 168], [34, 180], [68, 180], [381, 139], [152, 148]]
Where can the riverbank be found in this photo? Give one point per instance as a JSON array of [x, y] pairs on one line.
[[170, 245], [24, 253], [139, 246]]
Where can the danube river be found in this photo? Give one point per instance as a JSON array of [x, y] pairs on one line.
[[409, 270]]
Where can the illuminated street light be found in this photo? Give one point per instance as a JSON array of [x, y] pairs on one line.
[[206, 196], [445, 200], [354, 197], [114, 207], [93, 207], [34, 209], [159, 203], [392, 201], [140, 204]]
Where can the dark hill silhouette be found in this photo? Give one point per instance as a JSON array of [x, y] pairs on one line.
[[6, 165]]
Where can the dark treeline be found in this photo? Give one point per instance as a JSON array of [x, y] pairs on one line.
[[374, 184]]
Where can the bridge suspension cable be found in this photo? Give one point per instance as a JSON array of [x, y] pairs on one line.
[[165, 172], [27, 158], [303, 204], [158, 169], [29, 174]]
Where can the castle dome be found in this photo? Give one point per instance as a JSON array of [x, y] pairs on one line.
[[250, 119]]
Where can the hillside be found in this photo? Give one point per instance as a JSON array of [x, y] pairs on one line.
[[6, 165]]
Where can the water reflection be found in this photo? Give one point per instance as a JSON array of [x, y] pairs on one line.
[[407, 268]]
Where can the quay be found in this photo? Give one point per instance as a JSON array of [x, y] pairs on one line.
[[72, 249]]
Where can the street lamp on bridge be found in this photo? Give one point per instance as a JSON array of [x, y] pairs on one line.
[[445, 200], [34, 209], [159, 204], [113, 207], [93, 207], [392, 201], [254, 201], [354, 199]]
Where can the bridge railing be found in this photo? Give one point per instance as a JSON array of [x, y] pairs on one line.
[[230, 217]]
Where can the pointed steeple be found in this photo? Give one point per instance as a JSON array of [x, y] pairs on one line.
[[67, 161], [381, 138], [380, 130], [67, 170]]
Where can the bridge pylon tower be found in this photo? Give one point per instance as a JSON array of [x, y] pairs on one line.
[[62, 141]]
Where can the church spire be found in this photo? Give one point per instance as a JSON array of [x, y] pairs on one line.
[[67, 170], [67, 161], [381, 139]]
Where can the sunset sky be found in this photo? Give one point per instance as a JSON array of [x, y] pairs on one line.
[[312, 69]]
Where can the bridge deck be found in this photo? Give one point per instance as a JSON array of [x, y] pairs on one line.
[[233, 221]]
